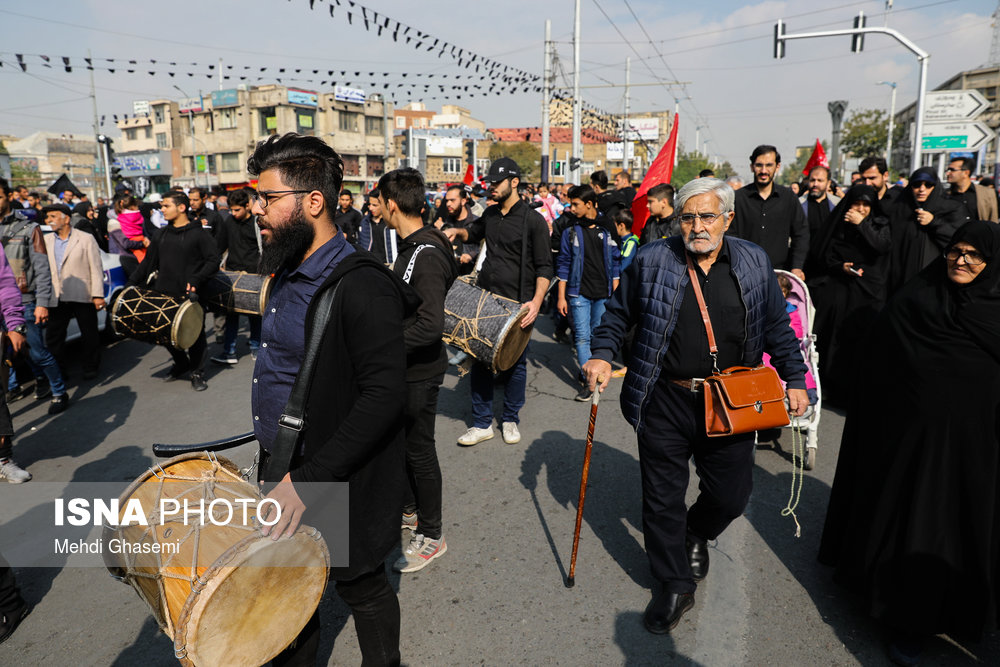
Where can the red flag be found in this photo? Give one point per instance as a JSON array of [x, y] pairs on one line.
[[818, 158], [659, 172], [468, 175]]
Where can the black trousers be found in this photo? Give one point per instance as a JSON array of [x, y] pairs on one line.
[[422, 467], [194, 358], [674, 432], [10, 597], [375, 608], [86, 319]]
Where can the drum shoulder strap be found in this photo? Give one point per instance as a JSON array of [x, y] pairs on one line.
[[292, 422]]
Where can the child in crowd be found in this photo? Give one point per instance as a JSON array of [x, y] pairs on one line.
[[627, 241]]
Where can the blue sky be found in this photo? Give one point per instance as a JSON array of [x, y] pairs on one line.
[[737, 91]]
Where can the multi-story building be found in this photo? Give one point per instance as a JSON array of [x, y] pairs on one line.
[[215, 134], [984, 79], [595, 149], [47, 155], [148, 153], [440, 154]]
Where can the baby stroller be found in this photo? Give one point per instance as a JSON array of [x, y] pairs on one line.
[[808, 423]]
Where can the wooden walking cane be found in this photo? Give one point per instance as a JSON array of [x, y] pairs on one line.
[[595, 399]]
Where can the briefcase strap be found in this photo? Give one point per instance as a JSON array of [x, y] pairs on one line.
[[713, 349]]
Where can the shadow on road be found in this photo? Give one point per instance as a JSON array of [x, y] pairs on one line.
[[642, 648], [612, 503]]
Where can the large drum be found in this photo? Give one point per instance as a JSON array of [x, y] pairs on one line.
[[156, 318], [226, 594], [238, 292], [485, 325]]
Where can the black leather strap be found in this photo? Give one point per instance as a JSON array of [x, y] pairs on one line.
[[292, 422]]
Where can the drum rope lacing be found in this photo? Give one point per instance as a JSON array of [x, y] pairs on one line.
[[467, 328]]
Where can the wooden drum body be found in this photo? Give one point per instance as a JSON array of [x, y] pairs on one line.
[[157, 318], [227, 594], [238, 292], [485, 325]]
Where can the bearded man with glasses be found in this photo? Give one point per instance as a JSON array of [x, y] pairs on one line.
[[922, 222], [663, 394]]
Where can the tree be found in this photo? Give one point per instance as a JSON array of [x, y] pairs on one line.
[[527, 155], [866, 131], [690, 164]]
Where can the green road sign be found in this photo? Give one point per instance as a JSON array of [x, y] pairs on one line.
[[944, 143]]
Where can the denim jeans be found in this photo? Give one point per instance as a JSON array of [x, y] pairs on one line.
[[514, 380], [586, 315], [233, 327], [40, 359]]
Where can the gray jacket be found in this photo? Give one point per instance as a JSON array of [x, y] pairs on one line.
[[24, 245]]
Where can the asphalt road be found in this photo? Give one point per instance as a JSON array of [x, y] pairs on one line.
[[497, 596]]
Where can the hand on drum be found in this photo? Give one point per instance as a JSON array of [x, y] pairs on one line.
[[292, 508], [529, 318], [598, 374]]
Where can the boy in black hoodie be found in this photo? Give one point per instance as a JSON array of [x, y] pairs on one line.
[[184, 256], [426, 262]]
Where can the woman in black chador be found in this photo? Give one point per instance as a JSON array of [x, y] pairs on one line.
[[914, 516], [854, 250]]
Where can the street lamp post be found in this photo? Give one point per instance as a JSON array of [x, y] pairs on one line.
[[194, 149], [892, 118]]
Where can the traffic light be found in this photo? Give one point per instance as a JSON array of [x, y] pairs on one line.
[[779, 42], [557, 168], [404, 145], [470, 151], [858, 41], [574, 163]]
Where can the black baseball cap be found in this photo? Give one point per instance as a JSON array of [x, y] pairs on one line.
[[503, 169], [62, 208]]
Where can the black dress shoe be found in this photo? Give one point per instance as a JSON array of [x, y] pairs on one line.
[[697, 550], [665, 610]]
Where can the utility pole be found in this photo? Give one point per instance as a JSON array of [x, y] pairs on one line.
[[546, 95], [626, 125], [97, 130], [220, 73], [577, 156], [892, 118], [836, 109]]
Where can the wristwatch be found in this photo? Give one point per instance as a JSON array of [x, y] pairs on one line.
[[21, 329]]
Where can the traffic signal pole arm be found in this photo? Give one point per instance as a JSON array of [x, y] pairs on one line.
[[780, 37]]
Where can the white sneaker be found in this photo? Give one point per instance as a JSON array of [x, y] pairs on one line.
[[419, 554], [510, 433], [475, 435], [12, 472]]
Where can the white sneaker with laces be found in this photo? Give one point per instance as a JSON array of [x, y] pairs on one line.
[[475, 435], [510, 433], [420, 553], [12, 472]]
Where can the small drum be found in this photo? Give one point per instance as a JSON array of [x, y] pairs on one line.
[[156, 318], [226, 594], [238, 292], [485, 325]]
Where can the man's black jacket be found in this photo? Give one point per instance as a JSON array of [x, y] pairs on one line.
[[180, 256]]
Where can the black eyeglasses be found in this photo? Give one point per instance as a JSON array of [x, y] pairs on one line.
[[265, 197], [706, 218], [972, 258]]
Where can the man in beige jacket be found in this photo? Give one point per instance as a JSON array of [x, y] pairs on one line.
[[78, 285]]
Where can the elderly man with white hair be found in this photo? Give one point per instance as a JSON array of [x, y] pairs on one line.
[[663, 395]]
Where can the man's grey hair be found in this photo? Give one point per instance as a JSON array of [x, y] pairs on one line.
[[700, 186]]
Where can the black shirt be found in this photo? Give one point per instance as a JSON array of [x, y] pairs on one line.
[[968, 200], [517, 250], [594, 281], [687, 354], [209, 219], [349, 222], [777, 224]]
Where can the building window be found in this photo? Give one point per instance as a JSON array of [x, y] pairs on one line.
[[401, 122], [348, 121], [158, 114], [268, 120], [230, 162], [305, 122], [373, 125], [227, 119], [451, 165], [130, 134], [147, 132], [209, 122], [352, 165], [161, 139], [376, 166]]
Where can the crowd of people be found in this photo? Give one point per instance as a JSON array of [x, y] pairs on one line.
[[908, 308]]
